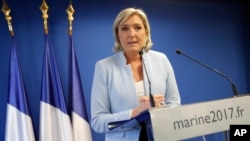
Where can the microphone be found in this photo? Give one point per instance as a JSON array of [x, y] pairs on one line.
[[235, 91], [151, 98]]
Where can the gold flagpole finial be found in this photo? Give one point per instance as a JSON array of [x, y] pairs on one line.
[[44, 8], [70, 10], [6, 10]]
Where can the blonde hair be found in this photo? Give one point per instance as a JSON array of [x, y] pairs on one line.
[[122, 17]]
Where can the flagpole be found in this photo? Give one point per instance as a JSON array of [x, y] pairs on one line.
[[79, 117], [19, 125], [6, 10], [70, 10], [44, 9], [54, 118]]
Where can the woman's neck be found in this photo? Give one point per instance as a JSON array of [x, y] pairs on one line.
[[132, 58]]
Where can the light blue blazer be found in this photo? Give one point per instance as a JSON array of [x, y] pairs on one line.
[[114, 95]]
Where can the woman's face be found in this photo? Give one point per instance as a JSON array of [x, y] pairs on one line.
[[132, 34]]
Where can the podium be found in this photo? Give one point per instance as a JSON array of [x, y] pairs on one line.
[[191, 120]]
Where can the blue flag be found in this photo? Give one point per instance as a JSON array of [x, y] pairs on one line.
[[81, 128], [18, 121], [55, 122]]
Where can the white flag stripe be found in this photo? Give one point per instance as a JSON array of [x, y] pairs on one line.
[[56, 123], [81, 128], [18, 125]]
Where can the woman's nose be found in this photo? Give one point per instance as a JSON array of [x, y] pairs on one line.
[[131, 32]]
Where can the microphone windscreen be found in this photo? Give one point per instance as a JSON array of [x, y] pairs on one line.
[[178, 51], [141, 52]]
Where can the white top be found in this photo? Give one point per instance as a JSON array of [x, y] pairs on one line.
[[139, 88]]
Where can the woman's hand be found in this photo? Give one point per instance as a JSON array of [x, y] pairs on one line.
[[159, 100], [144, 104]]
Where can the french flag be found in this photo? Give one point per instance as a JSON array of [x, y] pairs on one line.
[[55, 124], [81, 127], [18, 120]]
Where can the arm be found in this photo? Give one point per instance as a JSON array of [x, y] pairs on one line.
[[101, 105], [172, 97]]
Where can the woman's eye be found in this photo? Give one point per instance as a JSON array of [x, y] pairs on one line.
[[138, 27], [124, 28]]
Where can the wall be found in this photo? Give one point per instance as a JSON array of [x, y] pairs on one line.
[[216, 33]]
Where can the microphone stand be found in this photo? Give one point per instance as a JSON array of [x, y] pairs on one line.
[[151, 98], [235, 91]]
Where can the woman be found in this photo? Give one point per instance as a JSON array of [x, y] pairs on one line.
[[122, 82]]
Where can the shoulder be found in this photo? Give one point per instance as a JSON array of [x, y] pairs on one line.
[[156, 57], [152, 54], [113, 61], [108, 60]]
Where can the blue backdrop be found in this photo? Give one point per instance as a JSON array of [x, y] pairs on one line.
[[216, 33]]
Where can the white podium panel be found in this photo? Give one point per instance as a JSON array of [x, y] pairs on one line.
[[192, 120]]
